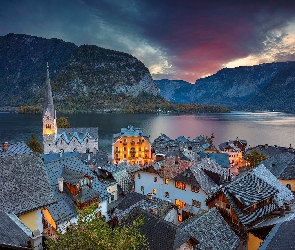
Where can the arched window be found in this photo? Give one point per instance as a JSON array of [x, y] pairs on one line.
[[74, 150]]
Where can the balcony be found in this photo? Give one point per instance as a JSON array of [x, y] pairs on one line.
[[133, 143], [146, 150], [125, 143], [132, 151]]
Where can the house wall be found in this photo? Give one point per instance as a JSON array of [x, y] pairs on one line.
[[48, 217], [75, 145], [234, 156], [185, 246], [104, 208], [113, 190], [253, 242], [291, 182], [33, 220], [147, 181], [142, 153]]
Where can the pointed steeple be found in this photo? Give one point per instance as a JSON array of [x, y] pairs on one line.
[[48, 104]]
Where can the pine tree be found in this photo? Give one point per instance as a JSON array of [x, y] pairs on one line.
[[34, 144], [63, 122]]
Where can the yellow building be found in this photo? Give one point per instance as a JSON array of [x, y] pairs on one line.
[[131, 145]]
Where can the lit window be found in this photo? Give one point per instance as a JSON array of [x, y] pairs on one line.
[[195, 189], [155, 179], [179, 218], [166, 180], [180, 185], [196, 203], [154, 191], [180, 203]]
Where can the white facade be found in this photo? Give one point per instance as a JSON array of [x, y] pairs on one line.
[[146, 182]]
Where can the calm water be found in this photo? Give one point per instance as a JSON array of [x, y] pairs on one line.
[[273, 128]]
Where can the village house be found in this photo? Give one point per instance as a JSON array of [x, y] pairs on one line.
[[211, 231], [131, 145], [249, 199], [25, 191], [56, 140], [234, 150]]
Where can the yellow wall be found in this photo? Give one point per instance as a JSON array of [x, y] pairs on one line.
[[49, 218], [292, 182], [253, 242], [30, 220]]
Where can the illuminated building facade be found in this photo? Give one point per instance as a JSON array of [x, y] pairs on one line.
[[131, 145]]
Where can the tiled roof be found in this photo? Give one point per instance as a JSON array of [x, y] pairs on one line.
[[227, 145], [284, 195], [124, 179], [14, 149], [71, 176], [289, 171], [86, 194], [281, 237], [187, 177], [98, 159], [211, 231], [79, 133], [277, 163], [134, 199], [24, 184], [11, 235], [220, 158], [130, 131], [160, 233], [55, 156], [275, 220], [270, 151]]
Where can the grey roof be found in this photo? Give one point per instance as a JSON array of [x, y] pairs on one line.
[[24, 184], [48, 101], [211, 231], [14, 149], [99, 159], [55, 156], [86, 194], [124, 179], [187, 177], [160, 233], [284, 195], [277, 163], [130, 131], [227, 145], [281, 237], [134, 199], [11, 235], [71, 176], [289, 171], [274, 220], [220, 158], [270, 151]]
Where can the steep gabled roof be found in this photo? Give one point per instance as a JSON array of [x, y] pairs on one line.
[[11, 235], [24, 184], [211, 231], [68, 134], [72, 176], [160, 233], [86, 194], [15, 149]]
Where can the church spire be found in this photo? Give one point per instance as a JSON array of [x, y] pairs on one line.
[[48, 104]]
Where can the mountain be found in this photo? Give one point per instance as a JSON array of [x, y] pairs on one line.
[[83, 78], [268, 86]]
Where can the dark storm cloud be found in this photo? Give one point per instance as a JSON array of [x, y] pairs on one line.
[[175, 39]]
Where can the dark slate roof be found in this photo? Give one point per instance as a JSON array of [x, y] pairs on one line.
[[130, 131], [134, 199], [55, 156], [160, 233], [281, 237], [79, 133], [220, 158], [98, 159], [270, 151], [15, 149], [64, 207], [124, 179], [55, 168], [24, 184], [71, 176], [211, 231], [228, 145], [289, 172], [11, 234], [277, 163], [86, 194], [249, 189], [187, 177]]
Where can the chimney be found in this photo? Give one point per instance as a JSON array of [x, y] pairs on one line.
[[282, 211], [60, 184], [150, 196], [4, 146]]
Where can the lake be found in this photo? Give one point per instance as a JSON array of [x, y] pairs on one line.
[[273, 128]]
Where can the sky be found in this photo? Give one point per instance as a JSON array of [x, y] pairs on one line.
[[175, 39]]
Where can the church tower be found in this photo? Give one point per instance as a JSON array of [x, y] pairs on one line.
[[49, 118]]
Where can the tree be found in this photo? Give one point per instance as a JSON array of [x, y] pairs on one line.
[[63, 122], [34, 144], [93, 232], [254, 158]]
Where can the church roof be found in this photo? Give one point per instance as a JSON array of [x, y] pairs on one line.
[[80, 134], [48, 104]]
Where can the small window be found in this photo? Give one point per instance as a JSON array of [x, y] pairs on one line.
[[180, 203], [154, 191], [125, 156], [142, 188], [227, 206], [288, 186], [138, 175], [180, 185], [155, 179], [179, 218], [167, 194], [166, 180], [195, 189], [87, 150], [196, 203]]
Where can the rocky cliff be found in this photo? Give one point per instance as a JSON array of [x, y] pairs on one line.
[[269, 86]]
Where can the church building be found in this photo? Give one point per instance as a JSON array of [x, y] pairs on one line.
[[59, 140]]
